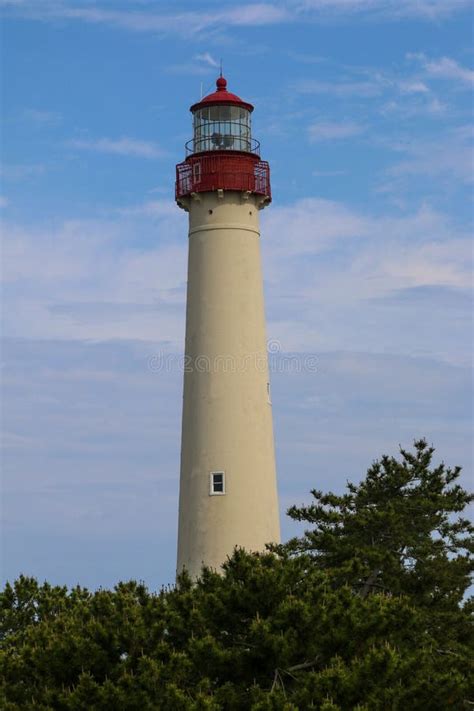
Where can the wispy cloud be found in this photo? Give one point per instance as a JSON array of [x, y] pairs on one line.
[[368, 82], [255, 14], [189, 69], [337, 265], [327, 131], [22, 171], [152, 208], [375, 84], [124, 146], [182, 23], [339, 89], [93, 262], [333, 264], [418, 249], [306, 58], [385, 9], [201, 65], [420, 105], [385, 91], [47, 118], [328, 173], [208, 59], [444, 68], [4, 202], [412, 86], [449, 157]]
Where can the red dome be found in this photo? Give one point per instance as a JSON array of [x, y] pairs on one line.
[[221, 96]]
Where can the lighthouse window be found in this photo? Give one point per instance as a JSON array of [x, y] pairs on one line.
[[197, 172], [217, 483], [222, 128]]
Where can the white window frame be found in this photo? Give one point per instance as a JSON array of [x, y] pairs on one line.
[[197, 172], [211, 484]]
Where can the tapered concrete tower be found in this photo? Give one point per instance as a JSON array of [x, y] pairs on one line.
[[228, 494]]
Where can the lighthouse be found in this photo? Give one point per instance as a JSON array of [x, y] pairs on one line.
[[228, 493]]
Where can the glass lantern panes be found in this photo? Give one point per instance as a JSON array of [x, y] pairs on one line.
[[222, 128]]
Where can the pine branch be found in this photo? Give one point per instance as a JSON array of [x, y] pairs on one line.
[[369, 583], [304, 665]]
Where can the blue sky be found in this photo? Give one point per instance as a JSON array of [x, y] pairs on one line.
[[364, 110]]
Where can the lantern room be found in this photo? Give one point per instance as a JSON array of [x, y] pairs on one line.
[[221, 128], [222, 122], [222, 155]]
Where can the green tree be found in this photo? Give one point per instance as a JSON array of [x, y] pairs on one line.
[[364, 612], [396, 532]]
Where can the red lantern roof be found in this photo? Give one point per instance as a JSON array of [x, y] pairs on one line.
[[220, 97]]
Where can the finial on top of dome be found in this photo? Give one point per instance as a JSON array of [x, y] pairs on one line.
[[221, 83]]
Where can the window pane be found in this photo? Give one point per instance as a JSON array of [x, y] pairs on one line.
[[217, 483]]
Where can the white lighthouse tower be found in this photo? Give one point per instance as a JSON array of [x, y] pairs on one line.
[[228, 495]]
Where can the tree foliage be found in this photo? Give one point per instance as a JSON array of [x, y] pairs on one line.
[[395, 531], [365, 611]]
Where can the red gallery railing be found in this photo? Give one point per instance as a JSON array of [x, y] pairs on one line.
[[223, 170]]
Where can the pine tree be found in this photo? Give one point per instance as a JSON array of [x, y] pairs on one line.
[[396, 532], [365, 612]]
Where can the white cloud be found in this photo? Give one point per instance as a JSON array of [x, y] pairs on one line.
[[375, 84], [20, 171], [389, 90], [446, 68], [388, 9], [256, 14], [315, 226], [201, 65], [188, 23], [327, 131], [443, 68], [366, 89], [324, 264], [124, 146], [306, 58], [328, 173], [182, 23], [207, 58], [91, 269], [152, 208], [417, 105], [448, 156], [412, 86], [189, 69], [331, 270], [47, 118]]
